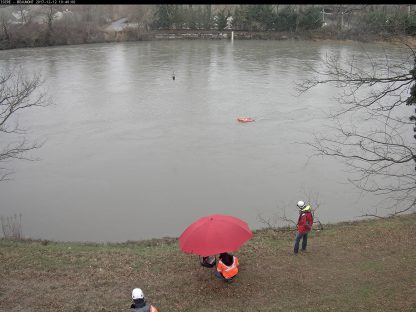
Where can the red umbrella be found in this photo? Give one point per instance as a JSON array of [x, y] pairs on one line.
[[214, 234]]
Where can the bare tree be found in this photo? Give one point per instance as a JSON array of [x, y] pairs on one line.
[[372, 129], [144, 15], [17, 93], [12, 226], [24, 13], [49, 17], [4, 16], [273, 221]]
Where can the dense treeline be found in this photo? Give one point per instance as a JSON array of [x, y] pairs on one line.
[[374, 19], [244, 17], [39, 25]]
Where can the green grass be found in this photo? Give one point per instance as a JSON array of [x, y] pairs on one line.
[[351, 266]]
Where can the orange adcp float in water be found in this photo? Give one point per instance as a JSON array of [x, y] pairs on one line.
[[245, 119]]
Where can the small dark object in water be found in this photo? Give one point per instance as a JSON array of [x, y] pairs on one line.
[[173, 77]]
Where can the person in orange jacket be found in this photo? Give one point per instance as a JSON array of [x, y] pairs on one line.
[[227, 267], [304, 225], [139, 305]]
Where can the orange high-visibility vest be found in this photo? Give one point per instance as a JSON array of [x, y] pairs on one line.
[[228, 271]]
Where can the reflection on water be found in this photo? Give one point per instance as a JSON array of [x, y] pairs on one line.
[[133, 154]]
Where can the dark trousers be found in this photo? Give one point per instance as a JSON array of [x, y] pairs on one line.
[[299, 236], [221, 277]]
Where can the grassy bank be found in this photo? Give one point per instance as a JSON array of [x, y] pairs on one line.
[[360, 266]]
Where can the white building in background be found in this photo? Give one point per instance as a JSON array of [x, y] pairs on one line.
[[229, 23], [121, 25]]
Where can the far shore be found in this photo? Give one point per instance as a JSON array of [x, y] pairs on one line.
[[177, 34]]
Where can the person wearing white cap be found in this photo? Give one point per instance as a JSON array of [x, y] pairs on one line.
[[139, 304], [304, 226]]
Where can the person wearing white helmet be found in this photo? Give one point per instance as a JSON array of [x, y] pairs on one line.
[[139, 304], [304, 226]]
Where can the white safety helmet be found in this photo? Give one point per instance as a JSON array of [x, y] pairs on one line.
[[137, 293], [301, 204]]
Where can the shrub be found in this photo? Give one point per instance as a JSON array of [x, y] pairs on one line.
[[285, 20], [411, 25], [310, 19], [12, 226]]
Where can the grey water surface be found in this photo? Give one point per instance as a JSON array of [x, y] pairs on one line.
[[129, 153]]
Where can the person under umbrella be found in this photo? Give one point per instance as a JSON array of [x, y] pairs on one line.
[[214, 234], [227, 267]]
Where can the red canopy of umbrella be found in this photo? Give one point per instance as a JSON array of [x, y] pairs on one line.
[[214, 234]]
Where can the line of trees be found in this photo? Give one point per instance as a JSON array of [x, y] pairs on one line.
[[29, 26], [243, 17], [40, 25], [366, 18], [395, 21]]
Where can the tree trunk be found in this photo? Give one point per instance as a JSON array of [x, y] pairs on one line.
[[6, 33]]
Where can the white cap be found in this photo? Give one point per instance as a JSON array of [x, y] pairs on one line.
[[301, 204], [137, 293]]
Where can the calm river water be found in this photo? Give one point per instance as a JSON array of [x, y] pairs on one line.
[[129, 153]]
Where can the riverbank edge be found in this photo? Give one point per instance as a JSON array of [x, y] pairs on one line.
[[158, 35], [167, 240]]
